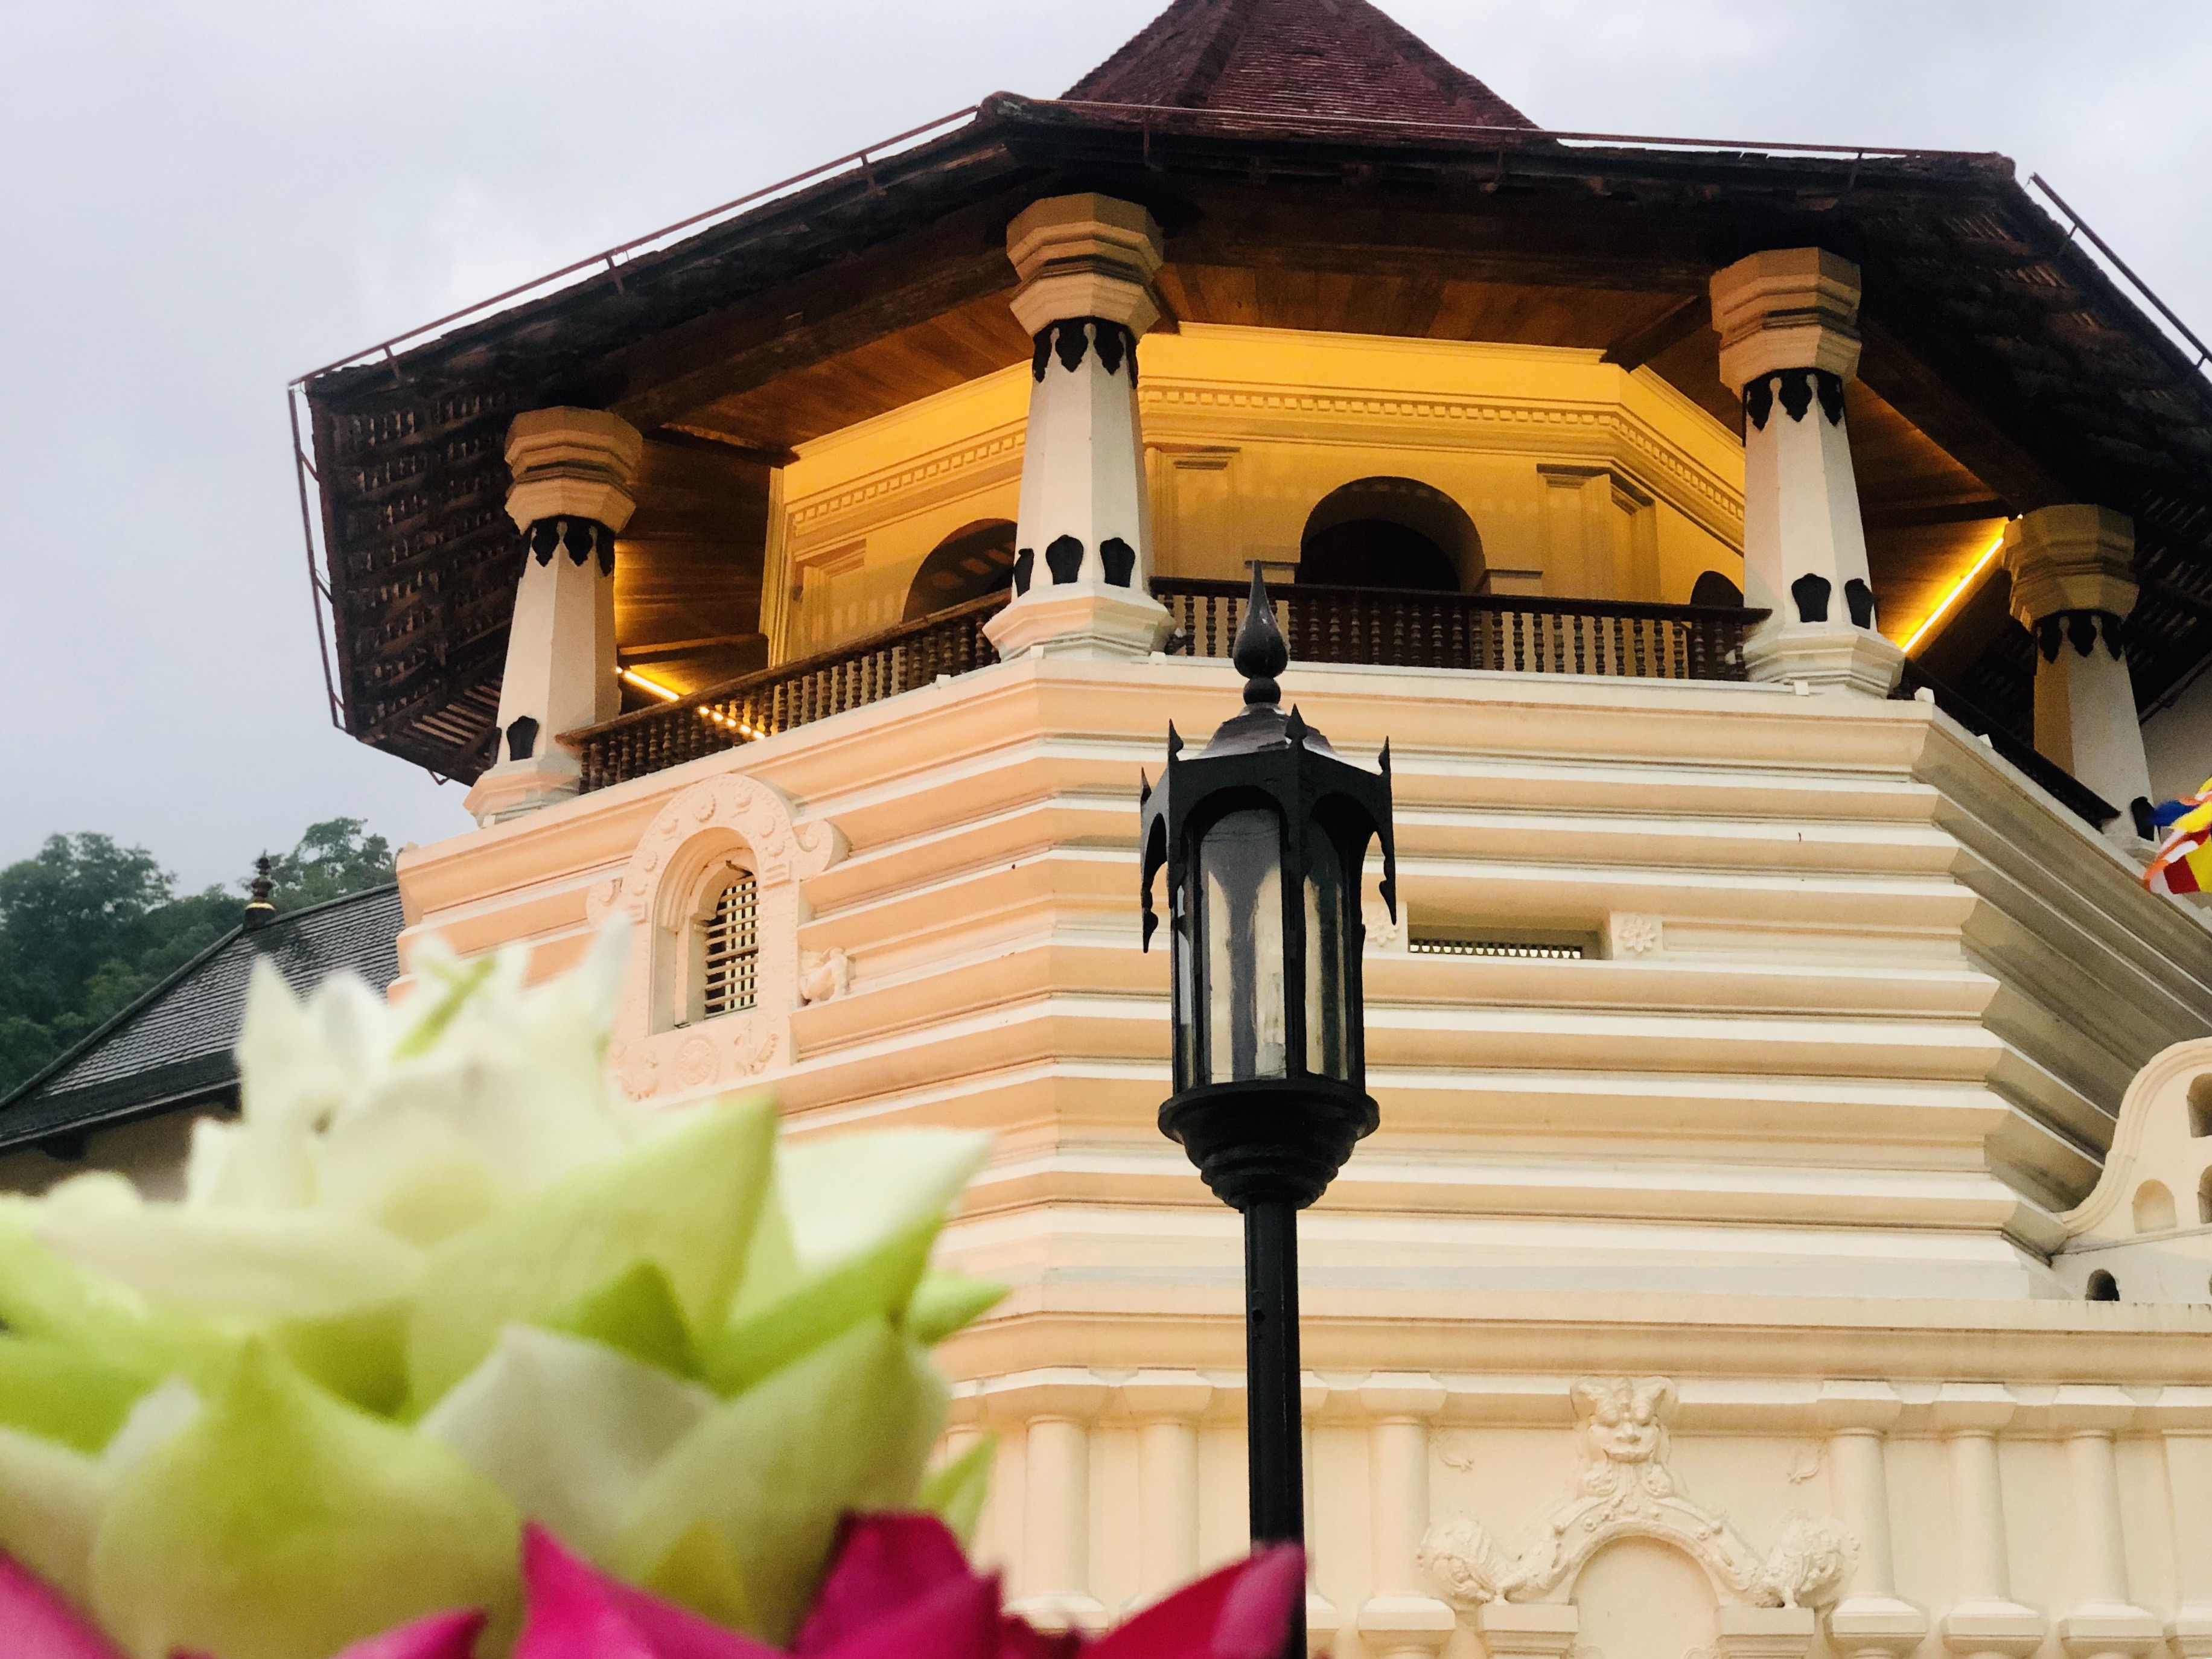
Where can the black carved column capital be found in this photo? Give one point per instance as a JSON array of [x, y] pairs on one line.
[[1071, 337], [1798, 389], [581, 539], [2081, 629]]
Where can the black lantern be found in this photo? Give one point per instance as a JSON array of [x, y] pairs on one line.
[[1263, 836]]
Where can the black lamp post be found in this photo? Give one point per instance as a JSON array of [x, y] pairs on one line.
[[1263, 835]]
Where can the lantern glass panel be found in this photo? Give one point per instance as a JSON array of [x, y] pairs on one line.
[[1329, 940], [1187, 1013], [1240, 872]]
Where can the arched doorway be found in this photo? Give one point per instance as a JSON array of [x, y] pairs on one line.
[[1390, 532], [975, 560]]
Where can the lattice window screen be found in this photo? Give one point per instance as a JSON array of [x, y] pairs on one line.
[[1485, 947], [730, 948]]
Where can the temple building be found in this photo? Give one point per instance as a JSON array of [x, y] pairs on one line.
[[1782, 577]]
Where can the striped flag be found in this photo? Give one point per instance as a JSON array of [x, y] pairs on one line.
[[2183, 861]]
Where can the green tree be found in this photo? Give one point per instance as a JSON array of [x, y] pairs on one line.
[[333, 858], [87, 926]]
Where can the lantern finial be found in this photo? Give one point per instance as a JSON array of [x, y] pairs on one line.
[[1259, 652]]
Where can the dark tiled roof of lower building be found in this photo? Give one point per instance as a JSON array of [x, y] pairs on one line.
[[1326, 57], [172, 1046]]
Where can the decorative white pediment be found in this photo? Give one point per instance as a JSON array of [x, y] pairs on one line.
[[718, 825], [1624, 1488]]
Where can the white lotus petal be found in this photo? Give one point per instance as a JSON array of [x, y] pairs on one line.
[[845, 1193], [568, 1429], [50, 1499], [300, 1264]]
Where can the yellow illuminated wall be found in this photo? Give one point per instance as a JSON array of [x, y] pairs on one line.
[[1582, 480]]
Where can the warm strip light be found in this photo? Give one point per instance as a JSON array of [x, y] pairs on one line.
[[645, 684], [1956, 593], [714, 715]]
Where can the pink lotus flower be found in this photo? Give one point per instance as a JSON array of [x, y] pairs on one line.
[[36, 1624], [898, 1587]]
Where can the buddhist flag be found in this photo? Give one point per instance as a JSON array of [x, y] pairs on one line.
[[2183, 862]]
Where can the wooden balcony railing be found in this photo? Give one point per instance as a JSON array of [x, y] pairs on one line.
[[1390, 627], [1385, 627], [774, 700]]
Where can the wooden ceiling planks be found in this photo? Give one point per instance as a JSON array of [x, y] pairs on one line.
[[688, 564]]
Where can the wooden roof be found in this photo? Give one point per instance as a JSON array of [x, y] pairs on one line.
[[2003, 371]]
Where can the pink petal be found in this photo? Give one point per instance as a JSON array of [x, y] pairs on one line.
[[958, 1619], [441, 1636], [35, 1623], [578, 1612], [1242, 1611], [881, 1564]]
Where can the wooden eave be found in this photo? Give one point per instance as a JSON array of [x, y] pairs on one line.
[[1997, 340]]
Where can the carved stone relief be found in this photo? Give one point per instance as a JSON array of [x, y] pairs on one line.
[[1623, 1487], [730, 822]]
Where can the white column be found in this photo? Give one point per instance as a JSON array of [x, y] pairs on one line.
[[2073, 588], [1082, 560], [2104, 1624], [1056, 1563], [1400, 1619], [1871, 1621], [1984, 1622], [573, 469], [1167, 1405], [1321, 1620], [2189, 1473], [1789, 327]]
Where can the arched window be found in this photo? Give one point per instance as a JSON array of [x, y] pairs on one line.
[[1713, 588], [2103, 1287], [729, 946], [2200, 1107], [2204, 1199], [1390, 532], [975, 560], [2154, 1207]]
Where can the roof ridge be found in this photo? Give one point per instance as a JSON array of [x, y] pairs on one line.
[[115, 1021], [153, 993]]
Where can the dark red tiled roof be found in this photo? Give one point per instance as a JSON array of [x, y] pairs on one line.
[[1328, 58]]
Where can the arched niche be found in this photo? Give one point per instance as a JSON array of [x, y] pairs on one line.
[[1390, 532], [975, 560], [2154, 1208], [683, 861], [1641, 1599]]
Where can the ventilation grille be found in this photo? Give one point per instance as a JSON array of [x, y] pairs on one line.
[[1494, 947], [732, 952]]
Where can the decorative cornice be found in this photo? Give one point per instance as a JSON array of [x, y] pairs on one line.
[[1000, 448], [1686, 484]]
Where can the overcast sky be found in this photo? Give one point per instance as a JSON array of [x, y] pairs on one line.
[[199, 202]]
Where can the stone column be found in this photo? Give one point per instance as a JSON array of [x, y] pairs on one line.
[[1167, 1405], [1984, 1622], [1871, 1621], [2189, 1473], [1789, 327], [1400, 1619], [573, 469], [1055, 1565], [1082, 560], [2073, 588], [2105, 1623]]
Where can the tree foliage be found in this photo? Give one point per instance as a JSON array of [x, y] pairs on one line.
[[87, 926]]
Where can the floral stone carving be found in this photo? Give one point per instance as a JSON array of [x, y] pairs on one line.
[[1624, 1488]]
